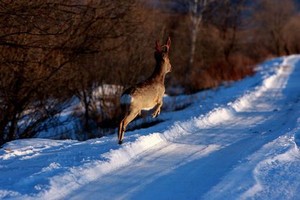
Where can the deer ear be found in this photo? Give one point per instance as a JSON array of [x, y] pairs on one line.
[[157, 46]]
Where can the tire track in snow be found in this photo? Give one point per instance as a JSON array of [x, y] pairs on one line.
[[247, 180]]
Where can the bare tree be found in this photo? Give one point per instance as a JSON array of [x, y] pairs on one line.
[[195, 10], [30, 58], [291, 35], [40, 43], [271, 16], [107, 65], [228, 18]]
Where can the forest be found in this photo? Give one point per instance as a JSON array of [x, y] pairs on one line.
[[64, 61]]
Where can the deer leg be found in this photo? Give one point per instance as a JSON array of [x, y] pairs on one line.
[[157, 110], [127, 119], [121, 131]]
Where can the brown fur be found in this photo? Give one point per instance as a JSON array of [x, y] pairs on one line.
[[148, 94]]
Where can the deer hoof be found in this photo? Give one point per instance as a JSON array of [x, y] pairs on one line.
[[120, 142], [155, 114]]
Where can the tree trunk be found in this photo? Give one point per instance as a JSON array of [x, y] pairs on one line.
[[86, 112], [12, 129], [193, 47]]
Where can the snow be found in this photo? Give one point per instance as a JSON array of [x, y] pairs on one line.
[[235, 142]]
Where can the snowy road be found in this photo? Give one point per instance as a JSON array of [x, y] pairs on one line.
[[197, 165], [238, 143]]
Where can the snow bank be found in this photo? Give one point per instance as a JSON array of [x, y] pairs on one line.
[[281, 162], [62, 185]]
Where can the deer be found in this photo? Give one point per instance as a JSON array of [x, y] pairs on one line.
[[148, 94]]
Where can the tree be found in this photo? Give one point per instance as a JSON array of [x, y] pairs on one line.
[[31, 45], [41, 42], [227, 17], [195, 10], [291, 35], [271, 16]]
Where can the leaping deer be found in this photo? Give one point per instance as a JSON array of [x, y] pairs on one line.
[[148, 94]]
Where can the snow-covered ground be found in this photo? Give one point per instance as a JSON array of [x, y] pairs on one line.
[[235, 142]]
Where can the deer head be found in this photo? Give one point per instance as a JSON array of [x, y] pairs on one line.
[[162, 56]]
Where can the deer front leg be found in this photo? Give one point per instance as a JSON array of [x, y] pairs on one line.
[[157, 110]]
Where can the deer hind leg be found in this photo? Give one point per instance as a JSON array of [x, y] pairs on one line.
[[157, 110], [123, 124], [121, 132]]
